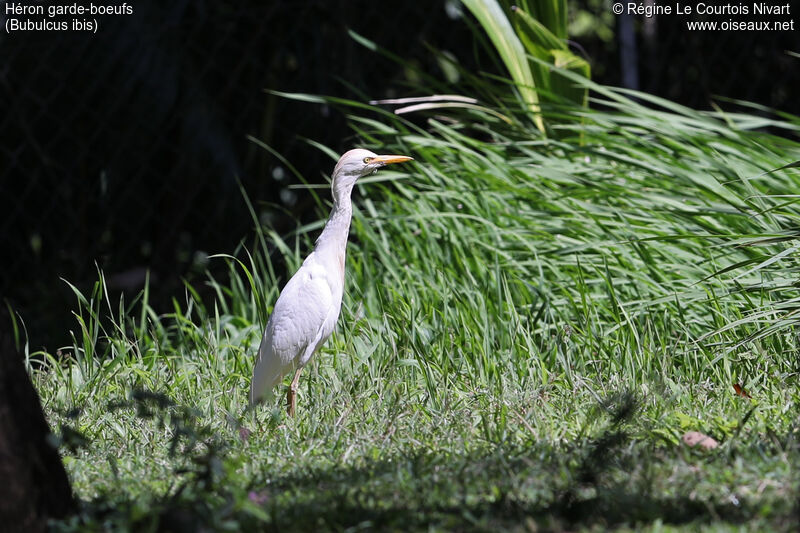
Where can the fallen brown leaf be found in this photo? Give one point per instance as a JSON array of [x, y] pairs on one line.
[[740, 391], [695, 438]]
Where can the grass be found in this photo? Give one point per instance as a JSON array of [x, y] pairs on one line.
[[530, 326]]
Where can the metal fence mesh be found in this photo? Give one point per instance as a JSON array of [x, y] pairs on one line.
[[124, 148]]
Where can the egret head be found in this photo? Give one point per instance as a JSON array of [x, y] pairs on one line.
[[357, 163]]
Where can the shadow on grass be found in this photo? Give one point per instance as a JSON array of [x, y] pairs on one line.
[[540, 486], [605, 480]]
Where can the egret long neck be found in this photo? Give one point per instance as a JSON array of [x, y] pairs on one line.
[[334, 236]]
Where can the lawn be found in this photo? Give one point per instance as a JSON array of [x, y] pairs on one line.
[[531, 325]]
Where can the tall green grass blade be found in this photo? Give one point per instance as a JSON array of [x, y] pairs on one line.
[[490, 15]]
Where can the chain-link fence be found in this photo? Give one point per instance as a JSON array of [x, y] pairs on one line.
[[124, 148]]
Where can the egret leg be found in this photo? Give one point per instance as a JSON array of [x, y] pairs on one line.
[[291, 395]]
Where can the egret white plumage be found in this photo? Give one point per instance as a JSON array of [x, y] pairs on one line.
[[308, 307]]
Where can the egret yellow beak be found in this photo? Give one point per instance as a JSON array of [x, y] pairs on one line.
[[389, 159]]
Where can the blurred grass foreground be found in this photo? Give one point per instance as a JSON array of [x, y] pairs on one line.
[[534, 319]]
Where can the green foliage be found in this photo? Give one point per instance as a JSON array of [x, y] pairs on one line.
[[530, 46], [591, 19], [491, 17], [530, 326]]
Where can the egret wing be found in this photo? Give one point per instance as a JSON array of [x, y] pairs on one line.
[[300, 314]]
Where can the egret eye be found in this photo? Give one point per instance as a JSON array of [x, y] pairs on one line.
[[367, 160]]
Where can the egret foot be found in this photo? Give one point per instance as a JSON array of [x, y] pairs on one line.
[[291, 401], [291, 395]]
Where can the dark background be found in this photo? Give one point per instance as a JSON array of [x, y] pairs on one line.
[[122, 149]]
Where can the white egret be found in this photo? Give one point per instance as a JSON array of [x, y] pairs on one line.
[[308, 307]]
